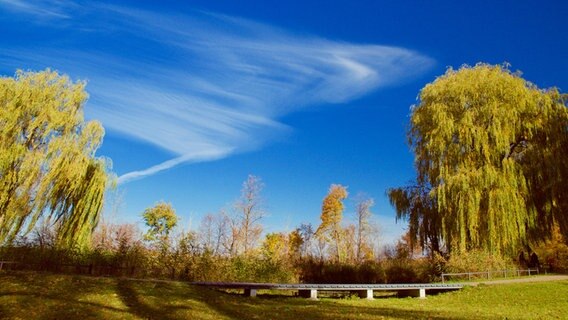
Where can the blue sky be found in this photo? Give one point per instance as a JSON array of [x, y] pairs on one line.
[[196, 96]]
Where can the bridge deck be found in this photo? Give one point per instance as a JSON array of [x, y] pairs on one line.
[[310, 290]]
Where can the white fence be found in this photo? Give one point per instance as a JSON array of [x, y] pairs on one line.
[[489, 274]]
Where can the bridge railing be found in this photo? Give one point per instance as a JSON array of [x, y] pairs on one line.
[[308, 290], [491, 274]]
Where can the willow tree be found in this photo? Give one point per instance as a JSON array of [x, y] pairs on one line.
[[330, 228], [546, 167], [476, 134], [48, 166], [415, 205]]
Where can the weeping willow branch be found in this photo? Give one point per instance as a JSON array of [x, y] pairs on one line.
[[47, 158]]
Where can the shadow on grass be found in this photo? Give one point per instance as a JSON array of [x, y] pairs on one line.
[[75, 309], [139, 305], [286, 307], [39, 297]]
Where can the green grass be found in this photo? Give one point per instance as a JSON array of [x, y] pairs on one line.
[[49, 296]]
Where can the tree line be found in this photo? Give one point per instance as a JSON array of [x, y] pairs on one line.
[[490, 181], [239, 231]]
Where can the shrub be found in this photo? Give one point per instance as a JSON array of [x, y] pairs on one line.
[[477, 261]]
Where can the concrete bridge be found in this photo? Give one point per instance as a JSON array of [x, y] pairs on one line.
[[311, 290]]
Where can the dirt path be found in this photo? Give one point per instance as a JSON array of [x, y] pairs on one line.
[[517, 280]]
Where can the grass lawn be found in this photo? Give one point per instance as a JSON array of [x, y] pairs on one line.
[[48, 296]]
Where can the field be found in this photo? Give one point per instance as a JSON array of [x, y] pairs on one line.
[[49, 296]]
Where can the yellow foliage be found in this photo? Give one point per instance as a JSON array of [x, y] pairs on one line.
[[47, 157], [477, 133], [161, 219], [331, 216]]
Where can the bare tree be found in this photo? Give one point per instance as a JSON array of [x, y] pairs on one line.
[[44, 234], [249, 212], [215, 233], [363, 226], [105, 233], [230, 233], [206, 233], [308, 234]]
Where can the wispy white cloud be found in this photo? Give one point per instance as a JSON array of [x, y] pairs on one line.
[[204, 86], [213, 154], [40, 8]]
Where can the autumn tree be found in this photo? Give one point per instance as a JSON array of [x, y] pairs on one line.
[[48, 166], [295, 244], [480, 136], [349, 243], [406, 248], [330, 228], [183, 255], [249, 213], [553, 253], [160, 219], [275, 246]]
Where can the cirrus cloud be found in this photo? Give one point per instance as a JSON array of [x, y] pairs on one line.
[[202, 85]]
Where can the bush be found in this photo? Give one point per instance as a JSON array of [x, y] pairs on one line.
[[477, 261], [371, 272], [553, 253], [409, 270], [315, 271]]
